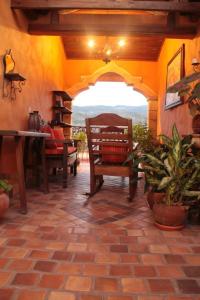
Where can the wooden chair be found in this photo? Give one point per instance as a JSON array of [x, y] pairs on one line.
[[109, 143], [60, 153]]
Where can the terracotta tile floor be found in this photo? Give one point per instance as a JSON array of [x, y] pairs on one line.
[[108, 250]]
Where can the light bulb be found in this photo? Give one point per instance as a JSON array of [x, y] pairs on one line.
[[195, 61], [91, 43], [121, 43], [108, 52]]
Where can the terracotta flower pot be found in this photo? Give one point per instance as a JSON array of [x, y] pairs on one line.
[[169, 217], [154, 197], [4, 203]]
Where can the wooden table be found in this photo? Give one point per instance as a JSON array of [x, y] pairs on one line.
[[19, 138]]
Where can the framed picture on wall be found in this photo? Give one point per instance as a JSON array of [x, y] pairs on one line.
[[175, 71]]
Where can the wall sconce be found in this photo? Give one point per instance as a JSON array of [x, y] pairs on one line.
[[12, 82], [196, 64]]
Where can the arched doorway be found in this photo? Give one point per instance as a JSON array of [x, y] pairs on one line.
[[109, 97], [113, 70]]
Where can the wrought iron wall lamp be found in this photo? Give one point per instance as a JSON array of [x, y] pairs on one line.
[[196, 65], [12, 82]]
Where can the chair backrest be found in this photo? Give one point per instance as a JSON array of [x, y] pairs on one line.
[[109, 138]]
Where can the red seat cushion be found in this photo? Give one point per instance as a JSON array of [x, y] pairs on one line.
[[48, 142], [59, 135], [59, 150], [114, 158]]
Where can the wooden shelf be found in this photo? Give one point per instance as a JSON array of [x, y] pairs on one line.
[[63, 95], [62, 109]]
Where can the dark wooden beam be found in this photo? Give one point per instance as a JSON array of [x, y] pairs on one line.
[[107, 4], [112, 29]]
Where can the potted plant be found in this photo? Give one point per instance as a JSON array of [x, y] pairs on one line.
[[143, 136], [5, 188], [146, 144], [80, 140], [153, 173], [175, 172]]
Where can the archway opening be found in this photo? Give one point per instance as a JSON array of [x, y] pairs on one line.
[[109, 96]]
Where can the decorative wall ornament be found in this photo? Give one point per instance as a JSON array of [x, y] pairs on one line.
[[12, 82], [175, 71], [129, 79]]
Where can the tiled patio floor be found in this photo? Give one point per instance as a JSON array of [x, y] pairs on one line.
[[109, 250]]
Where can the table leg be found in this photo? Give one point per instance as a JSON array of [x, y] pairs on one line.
[[20, 173], [25, 156], [65, 161], [1, 145], [44, 167]]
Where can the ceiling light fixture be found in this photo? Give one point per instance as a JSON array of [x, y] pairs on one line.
[[109, 49]]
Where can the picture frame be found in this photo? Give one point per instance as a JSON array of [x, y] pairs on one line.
[[175, 72]]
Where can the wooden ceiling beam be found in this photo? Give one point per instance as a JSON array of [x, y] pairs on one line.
[[112, 29], [107, 4]]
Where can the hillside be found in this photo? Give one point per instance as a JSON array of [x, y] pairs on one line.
[[137, 113]]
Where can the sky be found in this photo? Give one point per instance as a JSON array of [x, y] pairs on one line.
[[110, 94]]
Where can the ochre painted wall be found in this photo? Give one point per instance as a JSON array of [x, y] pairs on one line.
[[180, 114], [40, 60]]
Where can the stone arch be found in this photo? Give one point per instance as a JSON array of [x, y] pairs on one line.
[[112, 67], [135, 81]]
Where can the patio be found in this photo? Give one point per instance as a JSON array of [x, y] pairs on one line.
[[108, 250]]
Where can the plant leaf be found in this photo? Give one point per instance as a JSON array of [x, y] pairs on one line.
[[164, 182], [166, 140], [153, 159], [175, 134]]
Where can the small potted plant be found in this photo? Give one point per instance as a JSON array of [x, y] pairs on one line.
[[143, 136], [5, 188], [179, 171]]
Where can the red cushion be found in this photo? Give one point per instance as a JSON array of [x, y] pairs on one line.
[[59, 135], [59, 150], [114, 158], [48, 142]]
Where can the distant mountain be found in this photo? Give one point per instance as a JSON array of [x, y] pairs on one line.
[[137, 113]]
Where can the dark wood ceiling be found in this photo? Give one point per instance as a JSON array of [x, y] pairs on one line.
[[144, 25], [136, 48]]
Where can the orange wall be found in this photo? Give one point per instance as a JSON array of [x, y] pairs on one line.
[[180, 114], [77, 68], [39, 59]]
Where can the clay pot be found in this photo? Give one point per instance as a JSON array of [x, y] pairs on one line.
[[196, 124], [4, 203], [169, 217], [154, 197], [34, 121]]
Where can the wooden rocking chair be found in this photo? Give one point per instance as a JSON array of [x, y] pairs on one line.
[[109, 143]]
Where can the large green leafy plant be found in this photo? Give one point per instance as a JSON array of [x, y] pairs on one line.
[[175, 170]]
